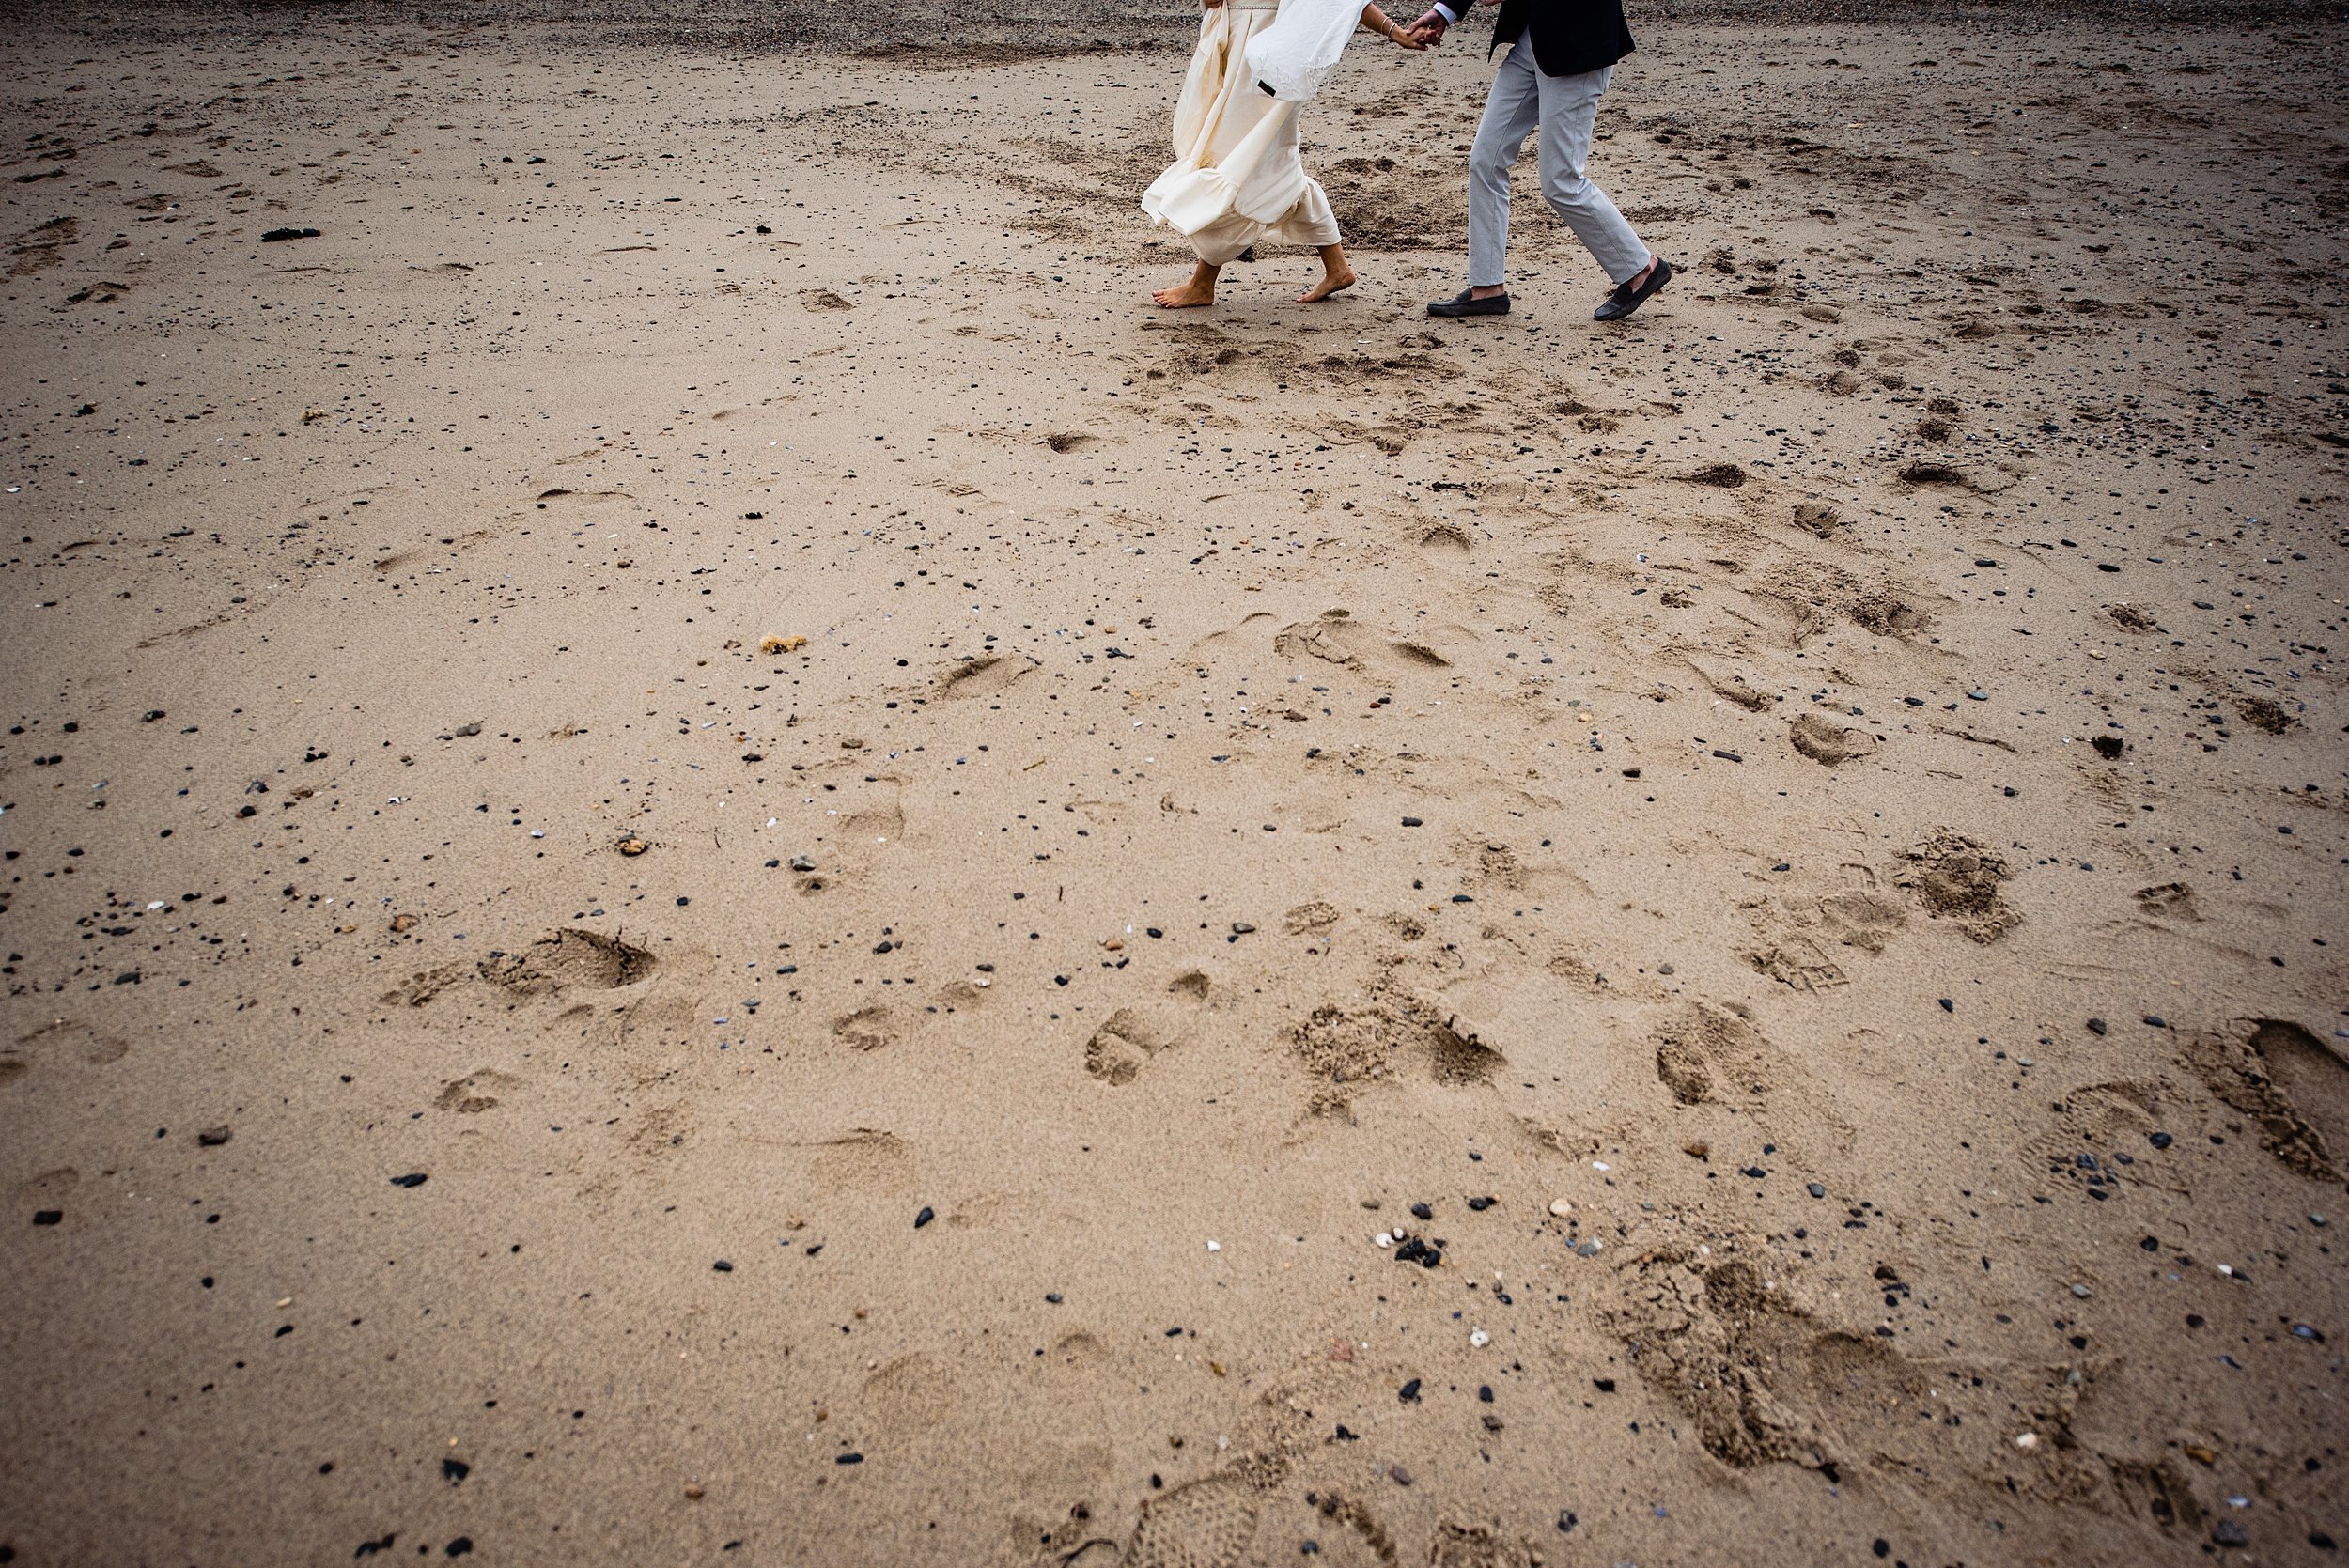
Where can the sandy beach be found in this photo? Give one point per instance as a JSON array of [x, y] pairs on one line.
[[711, 858]]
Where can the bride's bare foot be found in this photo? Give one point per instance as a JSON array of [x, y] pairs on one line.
[[1200, 290], [1336, 276], [1331, 282]]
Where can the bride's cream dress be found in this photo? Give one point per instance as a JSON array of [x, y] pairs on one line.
[[1236, 179]]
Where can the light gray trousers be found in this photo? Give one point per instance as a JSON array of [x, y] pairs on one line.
[[1564, 107]]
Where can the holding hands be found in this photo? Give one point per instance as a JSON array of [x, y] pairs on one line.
[[1376, 20]]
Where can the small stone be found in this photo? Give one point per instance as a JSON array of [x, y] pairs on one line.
[[2226, 1533], [722, 1267], [2027, 1440], [48, 1217], [1666, 969], [695, 1492], [924, 1218], [1421, 1211], [213, 1138], [1054, 1297], [802, 862], [2096, 1026], [1478, 1338], [1401, 1473], [781, 644], [633, 847], [2082, 1292], [1815, 1189], [1241, 928], [415, 1178], [1589, 1247], [2159, 1139], [1699, 1150], [405, 922], [1412, 822], [1561, 1207]]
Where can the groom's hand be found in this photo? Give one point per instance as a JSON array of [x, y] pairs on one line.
[[1429, 28]]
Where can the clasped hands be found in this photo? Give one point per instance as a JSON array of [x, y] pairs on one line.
[[1430, 28], [1375, 21]]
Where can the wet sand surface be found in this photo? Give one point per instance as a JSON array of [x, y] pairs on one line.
[[708, 857]]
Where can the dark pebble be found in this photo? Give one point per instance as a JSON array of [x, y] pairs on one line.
[[849, 1459], [1409, 1391], [1948, 1006], [1421, 1211], [722, 1267], [2096, 1026], [459, 1547], [2159, 1139], [1054, 1297], [1479, 1204], [924, 1218], [1412, 822], [414, 1178], [48, 1217], [1815, 1189], [2152, 1021]]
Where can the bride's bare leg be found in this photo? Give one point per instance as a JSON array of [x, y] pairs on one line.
[[1336, 276], [1200, 290]]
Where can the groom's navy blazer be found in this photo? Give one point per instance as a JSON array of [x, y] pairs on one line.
[[1569, 37]]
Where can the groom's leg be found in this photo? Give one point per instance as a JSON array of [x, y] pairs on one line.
[[1569, 105], [1512, 110]]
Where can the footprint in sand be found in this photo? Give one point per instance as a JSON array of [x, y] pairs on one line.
[[564, 959], [1955, 876], [866, 1029], [988, 675], [1715, 1054], [64, 1039], [1824, 742], [2294, 1084], [476, 1092], [864, 1160], [1338, 638], [1121, 1047], [1206, 1522], [913, 1393]]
